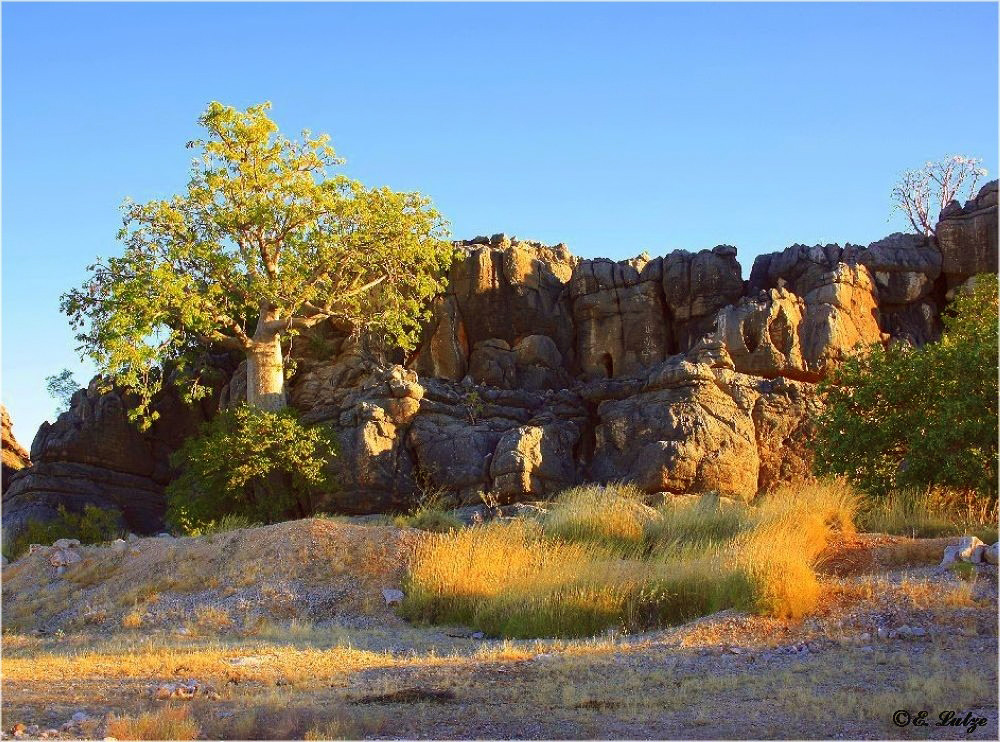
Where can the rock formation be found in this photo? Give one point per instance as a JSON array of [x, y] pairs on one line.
[[93, 455], [539, 370], [15, 457]]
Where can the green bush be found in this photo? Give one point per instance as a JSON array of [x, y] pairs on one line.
[[264, 466], [902, 417], [92, 526]]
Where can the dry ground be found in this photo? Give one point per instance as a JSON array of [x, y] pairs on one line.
[[333, 661]]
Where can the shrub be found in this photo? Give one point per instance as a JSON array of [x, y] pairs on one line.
[[169, 722], [252, 463], [92, 526], [903, 417]]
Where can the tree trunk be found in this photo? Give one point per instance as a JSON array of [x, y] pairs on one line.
[[266, 368]]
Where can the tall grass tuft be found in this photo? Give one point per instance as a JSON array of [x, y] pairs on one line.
[[169, 722], [611, 515], [703, 521]]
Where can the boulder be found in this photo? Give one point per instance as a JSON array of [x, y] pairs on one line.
[[535, 460], [990, 554], [93, 455], [688, 430], [961, 551]]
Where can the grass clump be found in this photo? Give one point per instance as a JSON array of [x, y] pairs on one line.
[[930, 513], [170, 722], [431, 515], [600, 558], [701, 521], [613, 516]]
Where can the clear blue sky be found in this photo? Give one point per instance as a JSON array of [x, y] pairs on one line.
[[613, 128]]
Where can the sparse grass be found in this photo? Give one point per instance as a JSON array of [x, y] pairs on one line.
[[931, 513], [600, 558], [210, 618], [170, 722], [923, 594]]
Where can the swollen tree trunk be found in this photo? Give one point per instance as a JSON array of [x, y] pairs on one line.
[[265, 367]]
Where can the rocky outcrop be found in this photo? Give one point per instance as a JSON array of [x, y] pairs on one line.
[[967, 236], [538, 370], [800, 336], [15, 457], [93, 455]]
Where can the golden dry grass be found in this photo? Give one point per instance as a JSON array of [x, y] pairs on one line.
[[597, 561], [170, 722]]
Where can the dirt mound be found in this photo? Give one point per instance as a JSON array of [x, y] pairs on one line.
[[318, 570]]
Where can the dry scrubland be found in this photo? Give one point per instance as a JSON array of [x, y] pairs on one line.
[[601, 616]]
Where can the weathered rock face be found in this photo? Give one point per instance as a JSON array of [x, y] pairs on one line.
[[538, 370], [93, 455], [621, 319], [499, 289], [15, 457], [780, 334], [696, 287], [967, 236]]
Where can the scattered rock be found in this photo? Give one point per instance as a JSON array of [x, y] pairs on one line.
[[392, 596], [119, 544], [66, 543], [961, 551], [62, 557], [990, 554]]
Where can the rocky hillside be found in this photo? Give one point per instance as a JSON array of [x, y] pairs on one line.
[[540, 369]]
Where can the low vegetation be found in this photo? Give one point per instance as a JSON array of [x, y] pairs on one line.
[[902, 417], [599, 558], [250, 464], [930, 513], [93, 525]]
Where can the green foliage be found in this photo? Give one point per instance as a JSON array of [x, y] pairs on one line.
[[264, 243], [61, 387], [904, 417], [92, 526], [259, 465]]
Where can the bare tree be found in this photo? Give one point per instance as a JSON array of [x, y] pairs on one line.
[[935, 184]]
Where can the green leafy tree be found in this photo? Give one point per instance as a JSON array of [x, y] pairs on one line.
[[61, 387], [259, 464], [904, 416], [263, 244]]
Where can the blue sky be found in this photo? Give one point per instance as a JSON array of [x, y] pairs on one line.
[[613, 128]]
